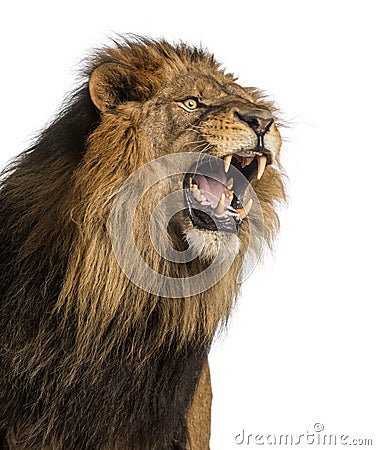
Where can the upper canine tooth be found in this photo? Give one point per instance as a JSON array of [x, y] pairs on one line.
[[261, 166], [220, 209], [226, 162]]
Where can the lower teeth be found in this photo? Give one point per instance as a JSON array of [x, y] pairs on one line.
[[220, 209]]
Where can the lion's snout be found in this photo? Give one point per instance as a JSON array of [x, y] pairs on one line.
[[260, 121]]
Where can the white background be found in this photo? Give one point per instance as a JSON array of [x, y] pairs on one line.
[[300, 345]]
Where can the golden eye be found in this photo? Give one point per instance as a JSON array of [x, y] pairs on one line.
[[190, 104]]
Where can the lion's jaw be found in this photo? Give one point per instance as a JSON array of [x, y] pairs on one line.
[[213, 245]]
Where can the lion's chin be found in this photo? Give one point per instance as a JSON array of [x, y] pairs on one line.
[[213, 246]]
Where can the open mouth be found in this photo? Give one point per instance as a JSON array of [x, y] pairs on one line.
[[215, 189]]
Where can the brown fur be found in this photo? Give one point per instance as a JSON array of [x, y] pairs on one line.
[[89, 360], [199, 417]]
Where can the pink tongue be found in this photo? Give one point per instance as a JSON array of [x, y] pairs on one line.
[[211, 189]]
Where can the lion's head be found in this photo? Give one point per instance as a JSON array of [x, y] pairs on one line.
[[179, 100]]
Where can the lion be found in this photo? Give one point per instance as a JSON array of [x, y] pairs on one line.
[[89, 358]]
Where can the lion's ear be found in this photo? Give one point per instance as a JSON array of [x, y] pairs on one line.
[[109, 85]]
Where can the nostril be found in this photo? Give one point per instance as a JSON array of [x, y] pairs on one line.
[[253, 122], [260, 125], [264, 125]]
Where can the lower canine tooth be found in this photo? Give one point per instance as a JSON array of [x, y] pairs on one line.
[[220, 209], [248, 206], [197, 195], [261, 166], [243, 213]]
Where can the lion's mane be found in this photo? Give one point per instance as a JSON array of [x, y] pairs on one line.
[[88, 359]]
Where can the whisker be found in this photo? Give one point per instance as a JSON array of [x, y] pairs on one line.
[[198, 132], [198, 146], [195, 142], [192, 129]]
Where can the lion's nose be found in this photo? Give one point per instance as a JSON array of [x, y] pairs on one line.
[[260, 125]]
